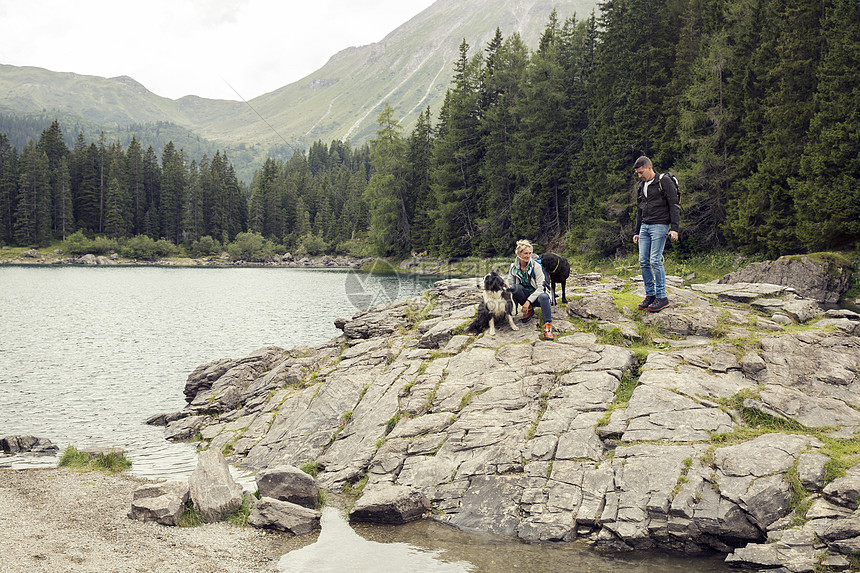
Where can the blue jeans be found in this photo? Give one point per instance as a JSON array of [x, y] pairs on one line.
[[652, 239], [520, 296]]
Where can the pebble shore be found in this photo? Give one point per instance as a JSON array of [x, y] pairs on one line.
[[63, 520]]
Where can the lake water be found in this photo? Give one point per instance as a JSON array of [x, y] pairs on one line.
[[88, 354]]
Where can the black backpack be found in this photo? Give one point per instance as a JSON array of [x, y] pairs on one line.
[[677, 186]]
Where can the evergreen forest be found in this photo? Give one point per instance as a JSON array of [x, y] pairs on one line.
[[753, 104]]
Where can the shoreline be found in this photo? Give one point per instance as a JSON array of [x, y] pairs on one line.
[[59, 520], [414, 266]]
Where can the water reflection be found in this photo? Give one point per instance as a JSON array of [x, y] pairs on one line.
[[339, 548], [432, 547]]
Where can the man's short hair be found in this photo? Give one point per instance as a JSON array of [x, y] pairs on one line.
[[642, 162]]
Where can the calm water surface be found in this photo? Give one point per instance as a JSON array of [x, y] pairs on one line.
[[87, 354]]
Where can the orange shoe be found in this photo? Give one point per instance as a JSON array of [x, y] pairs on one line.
[[547, 331]]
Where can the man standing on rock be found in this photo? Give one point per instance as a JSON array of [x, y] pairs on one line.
[[658, 215]]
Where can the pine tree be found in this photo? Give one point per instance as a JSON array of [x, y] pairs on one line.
[[783, 60], [114, 225], [539, 204], [55, 149], [418, 161], [85, 187], [65, 216], [9, 180], [705, 124], [827, 188], [389, 221], [504, 78], [173, 189], [134, 182], [33, 210], [192, 210], [152, 192], [456, 159]]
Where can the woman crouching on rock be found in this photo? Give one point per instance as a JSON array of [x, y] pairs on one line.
[[526, 278]]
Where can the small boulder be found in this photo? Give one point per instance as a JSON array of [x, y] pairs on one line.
[[288, 483], [284, 516], [161, 502], [213, 490], [811, 469], [27, 444], [394, 504], [845, 491]]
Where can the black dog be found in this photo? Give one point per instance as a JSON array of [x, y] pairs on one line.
[[497, 304], [558, 270]]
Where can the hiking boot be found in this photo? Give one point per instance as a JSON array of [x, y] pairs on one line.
[[658, 304], [646, 302], [527, 314], [547, 331]]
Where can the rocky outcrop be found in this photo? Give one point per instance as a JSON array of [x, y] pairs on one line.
[[819, 278], [708, 426]]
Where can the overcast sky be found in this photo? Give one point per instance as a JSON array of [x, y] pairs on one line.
[[181, 47]]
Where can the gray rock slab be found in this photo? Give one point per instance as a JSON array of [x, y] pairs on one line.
[[162, 502], [742, 291], [794, 551], [287, 483], [213, 490], [489, 505], [284, 516], [596, 306], [660, 414], [766, 455], [823, 281], [823, 364], [811, 411], [845, 491], [440, 334], [846, 325], [394, 504]]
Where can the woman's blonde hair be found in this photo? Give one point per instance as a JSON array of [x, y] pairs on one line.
[[523, 244]]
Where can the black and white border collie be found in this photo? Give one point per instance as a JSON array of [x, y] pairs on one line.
[[497, 304]]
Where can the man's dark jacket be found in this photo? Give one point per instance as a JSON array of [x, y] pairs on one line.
[[661, 207]]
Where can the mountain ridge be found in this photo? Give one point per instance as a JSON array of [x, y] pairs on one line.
[[411, 68]]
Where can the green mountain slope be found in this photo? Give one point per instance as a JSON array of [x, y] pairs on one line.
[[411, 68]]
